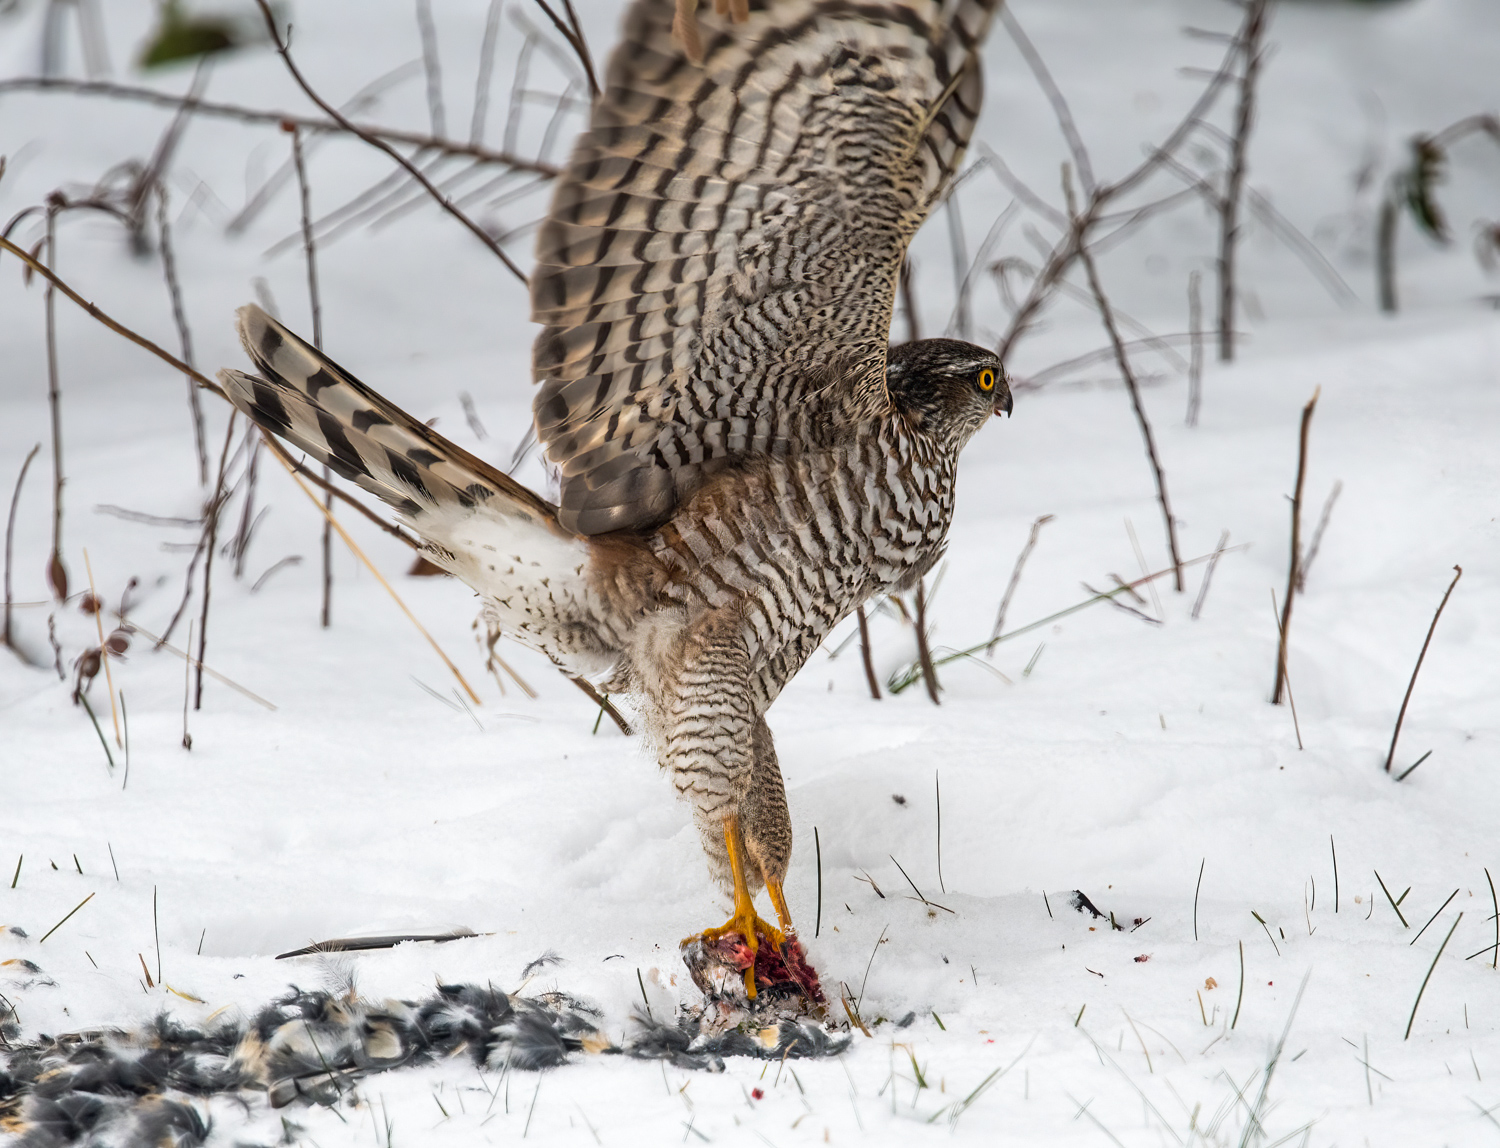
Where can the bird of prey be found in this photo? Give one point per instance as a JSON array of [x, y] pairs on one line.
[[743, 458]]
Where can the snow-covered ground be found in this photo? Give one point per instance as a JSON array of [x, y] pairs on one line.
[[1114, 756]]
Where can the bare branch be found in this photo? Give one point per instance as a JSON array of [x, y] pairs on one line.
[[338, 123], [1055, 97], [1122, 359], [573, 34], [433, 68], [284, 51], [184, 333], [1248, 46]]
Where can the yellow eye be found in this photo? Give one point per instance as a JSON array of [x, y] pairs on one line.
[[987, 380]]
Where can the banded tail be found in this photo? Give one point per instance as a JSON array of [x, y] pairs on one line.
[[475, 521]]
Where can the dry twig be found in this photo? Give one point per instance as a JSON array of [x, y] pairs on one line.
[[865, 654], [419, 140], [1247, 45], [283, 49], [1285, 624], [1015, 580], [10, 529], [1122, 360]]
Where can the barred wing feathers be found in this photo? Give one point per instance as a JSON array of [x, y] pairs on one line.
[[726, 242]]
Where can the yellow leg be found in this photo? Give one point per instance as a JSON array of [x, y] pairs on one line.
[[745, 921], [778, 902]]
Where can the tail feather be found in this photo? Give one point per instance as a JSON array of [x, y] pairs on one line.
[[477, 523], [304, 397]]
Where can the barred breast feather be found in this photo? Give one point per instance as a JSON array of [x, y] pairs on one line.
[[727, 239]]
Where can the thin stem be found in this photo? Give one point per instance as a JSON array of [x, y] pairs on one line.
[[109, 678], [1122, 360], [1458, 572], [433, 67], [184, 333], [865, 653], [1195, 326], [924, 652], [314, 297], [817, 849], [216, 504], [1413, 1018], [1248, 44], [1015, 580], [1209, 574], [1283, 679], [1294, 564], [57, 573], [485, 74], [10, 530]]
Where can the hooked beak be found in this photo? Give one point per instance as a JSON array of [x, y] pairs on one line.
[[1003, 401]]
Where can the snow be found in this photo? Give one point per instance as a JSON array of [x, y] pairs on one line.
[[1127, 757]]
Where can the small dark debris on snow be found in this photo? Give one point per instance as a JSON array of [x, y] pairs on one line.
[[1081, 903], [547, 958]]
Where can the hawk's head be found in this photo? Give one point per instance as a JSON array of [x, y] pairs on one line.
[[947, 388]]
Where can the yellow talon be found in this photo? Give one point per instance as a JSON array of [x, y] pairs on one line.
[[745, 921]]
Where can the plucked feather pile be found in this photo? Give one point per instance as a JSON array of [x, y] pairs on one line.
[[136, 1089]]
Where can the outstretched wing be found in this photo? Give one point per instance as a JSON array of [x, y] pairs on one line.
[[727, 240]]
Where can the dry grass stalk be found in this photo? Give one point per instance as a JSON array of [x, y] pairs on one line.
[[1295, 562], [1317, 538], [10, 530], [211, 532], [328, 488], [64, 921], [1015, 580], [109, 679], [1458, 572], [1430, 968]]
